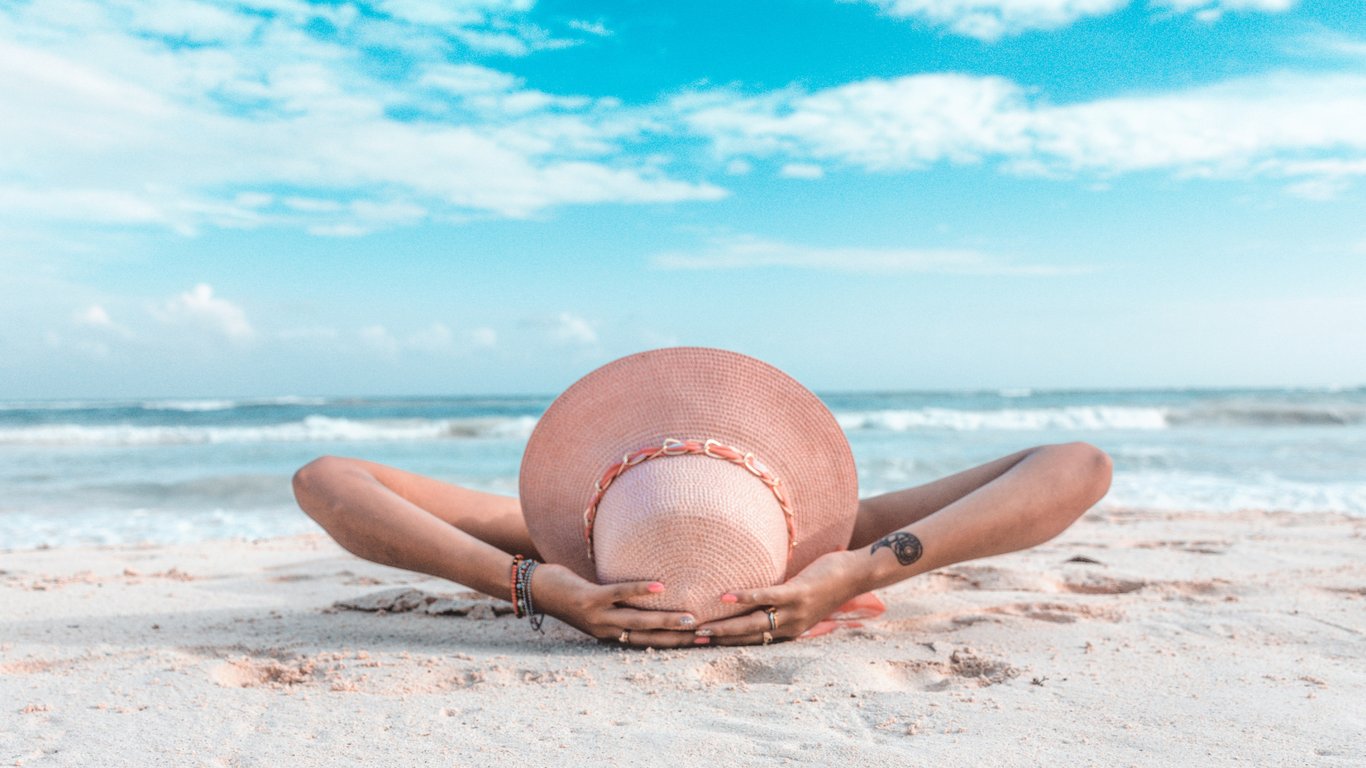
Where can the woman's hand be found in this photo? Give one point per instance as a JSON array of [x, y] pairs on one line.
[[593, 609], [800, 602]]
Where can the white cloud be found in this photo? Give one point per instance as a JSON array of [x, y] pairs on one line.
[[1318, 189], [990, 20], [571, 329], [1281, 125], [801, 171], [311, 334], [338, 230], [96, 317], [443, 13], [484, 337], [596, 28], [879, 124], [1331, 43], [486, 26], [1321, 179], [1213, 10], [90, 205], [756, 253], [378, 338], [305, 204], [93, 316], [362, 217], [192, 21], [434, 338], [107, 122], [465, 79], [200, 308], [738, 167]]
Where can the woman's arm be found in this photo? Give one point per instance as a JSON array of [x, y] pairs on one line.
[[1013, 503], [408, 521], [403, 520]]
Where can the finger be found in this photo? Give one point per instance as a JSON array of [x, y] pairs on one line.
[[756, 639], [748, 624], [662, 639], [634, 619], [626, 590], [781, 593]]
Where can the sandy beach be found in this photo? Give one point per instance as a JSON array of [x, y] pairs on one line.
[[1136, 638]]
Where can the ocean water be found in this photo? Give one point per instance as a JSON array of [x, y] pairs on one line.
[[188, 470]]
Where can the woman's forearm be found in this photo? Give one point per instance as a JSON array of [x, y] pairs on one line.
[[1037, 497], [399, 519], [374, 522]]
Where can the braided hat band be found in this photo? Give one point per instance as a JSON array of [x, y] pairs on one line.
[[676, 447]]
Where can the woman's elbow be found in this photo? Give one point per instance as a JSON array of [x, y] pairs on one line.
[[311, 478], [1091, 468]]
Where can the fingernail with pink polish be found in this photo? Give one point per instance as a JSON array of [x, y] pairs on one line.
[[701, 640], [655, 587], [729, 598]]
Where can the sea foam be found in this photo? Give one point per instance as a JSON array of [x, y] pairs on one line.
[[310, 429]]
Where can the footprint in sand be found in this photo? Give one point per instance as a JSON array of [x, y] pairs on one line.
[[247, 672], [471, 605], [1199, 547], [750, 671], [1058, 613], [1093, 584], [987, 578], [963, 667]]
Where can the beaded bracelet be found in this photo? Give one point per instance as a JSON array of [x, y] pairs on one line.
[[522, 605], [512, 586]]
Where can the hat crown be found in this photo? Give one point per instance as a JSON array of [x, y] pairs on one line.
[[701, 526]]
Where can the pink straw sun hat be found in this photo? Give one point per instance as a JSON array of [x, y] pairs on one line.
[[705, 469]]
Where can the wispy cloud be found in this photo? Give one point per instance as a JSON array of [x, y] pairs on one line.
[[1330, 43], [756, 253], [111, 117], [801, 171], [1213, 10], [96, 317], [570, 328], [1282, 125], [991, 20], [484, 337], [378, 339], [435, 338], [184, 116], [595, 28]]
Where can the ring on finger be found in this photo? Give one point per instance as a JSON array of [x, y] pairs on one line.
[[625, 637], [772, 619], [768, 638]]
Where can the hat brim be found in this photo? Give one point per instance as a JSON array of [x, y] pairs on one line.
[[687, 393]]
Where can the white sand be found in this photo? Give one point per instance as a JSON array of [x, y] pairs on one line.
[[1197, 640]]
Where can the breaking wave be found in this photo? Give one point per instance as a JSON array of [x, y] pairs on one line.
[[1070, 418], [310, 429], [1104, 417]]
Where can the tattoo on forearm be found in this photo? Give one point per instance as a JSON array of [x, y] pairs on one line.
[[904, 545]]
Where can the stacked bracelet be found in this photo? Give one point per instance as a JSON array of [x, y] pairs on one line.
[[522, 568]]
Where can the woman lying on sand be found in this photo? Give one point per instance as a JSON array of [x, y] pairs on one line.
[[692, 496]]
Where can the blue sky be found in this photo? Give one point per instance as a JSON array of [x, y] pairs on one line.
[[488, 196]]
